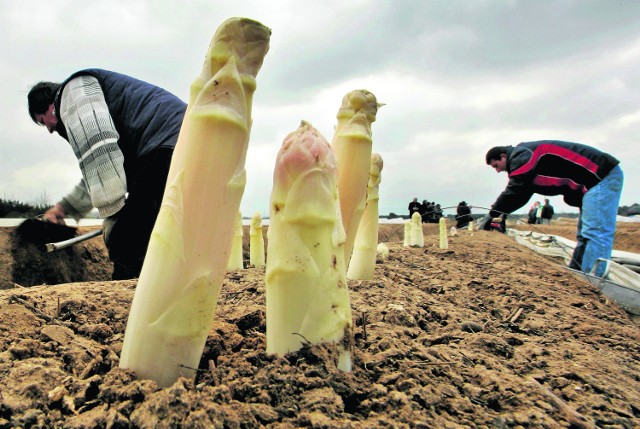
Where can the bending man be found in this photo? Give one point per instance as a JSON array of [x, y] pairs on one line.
[[587, 178], [123, 131]]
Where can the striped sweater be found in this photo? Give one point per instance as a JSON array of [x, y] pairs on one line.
[[111, 121]]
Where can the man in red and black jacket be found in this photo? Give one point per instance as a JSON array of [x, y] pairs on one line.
[[586, 177]]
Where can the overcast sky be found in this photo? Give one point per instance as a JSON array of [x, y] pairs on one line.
[[456, 78]]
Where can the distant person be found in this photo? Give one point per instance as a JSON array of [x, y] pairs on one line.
[[587, 178], [424, 211], [532, 216], [428, 208], [463, 215], [414, 206], [539, 214], [547, 212], [123, 131], [437, 212]]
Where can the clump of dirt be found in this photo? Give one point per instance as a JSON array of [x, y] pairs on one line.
[[485, 333], [29, 263]]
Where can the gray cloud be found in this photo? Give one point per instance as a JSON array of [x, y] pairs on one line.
[[456, 77]]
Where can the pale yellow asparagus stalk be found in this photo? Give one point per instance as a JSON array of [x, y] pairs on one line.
[[176, 295], [444, 241], [382, 252], [408, 232], [352, 141], [306, 287], [235, 258], [417, 235], [363, 259], [256, 241]]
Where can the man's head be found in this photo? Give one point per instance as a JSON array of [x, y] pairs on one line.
[[497, 158], [546, 200], [40, 100]]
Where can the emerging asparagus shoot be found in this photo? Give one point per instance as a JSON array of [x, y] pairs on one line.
[[256, 241], [183, 271], [235, 258], [417, 235], [351, 144], [306, 287], [442, 226], [407, 239], [363, 260], [382, 252]]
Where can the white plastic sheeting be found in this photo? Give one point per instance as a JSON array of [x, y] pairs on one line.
[[621, 281]]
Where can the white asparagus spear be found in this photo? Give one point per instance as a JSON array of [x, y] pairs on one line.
[[363, 259], [306, 287], [256, 241], [177, 292], [352, 142]]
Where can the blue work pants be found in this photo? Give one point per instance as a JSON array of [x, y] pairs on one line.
[[597, 223]]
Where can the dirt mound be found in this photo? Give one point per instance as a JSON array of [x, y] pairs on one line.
[[26, 261], [485, 333]]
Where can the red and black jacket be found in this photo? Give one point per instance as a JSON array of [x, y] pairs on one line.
[[551, 167]]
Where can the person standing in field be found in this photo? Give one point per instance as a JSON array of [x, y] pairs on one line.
[[414, 206], [532, 216], [547, 212], [586, 177], [123, 131], [463, 215], [539, 214]]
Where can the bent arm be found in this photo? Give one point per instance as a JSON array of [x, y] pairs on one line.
[[516, 194], [94, 139], [76, 203]]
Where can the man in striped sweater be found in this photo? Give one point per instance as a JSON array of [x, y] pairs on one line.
[[586, 177], [122, 131]]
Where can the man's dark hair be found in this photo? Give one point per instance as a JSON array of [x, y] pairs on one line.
[[40, 97], [495, 153]]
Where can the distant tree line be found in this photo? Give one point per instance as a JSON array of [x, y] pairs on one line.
[[17, 209], [633, 209]]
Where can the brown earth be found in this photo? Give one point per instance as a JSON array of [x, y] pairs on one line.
[[484, 334]]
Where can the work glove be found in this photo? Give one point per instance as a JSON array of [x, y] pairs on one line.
[[485, 223]]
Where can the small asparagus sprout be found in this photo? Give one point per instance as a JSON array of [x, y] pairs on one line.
[[382, 252], [470, 226], [444, 241], [176, 295], [363, 259], [408, 233], [256, 241], [352, 141], [306, 286], [235, 259], [417, 236]]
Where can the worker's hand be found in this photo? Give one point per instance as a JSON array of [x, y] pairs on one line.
[[485, 223], [55, 214]]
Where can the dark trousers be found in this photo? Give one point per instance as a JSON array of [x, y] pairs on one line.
[[129, 230]]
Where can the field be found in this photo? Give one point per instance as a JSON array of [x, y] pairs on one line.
[[484, 334]]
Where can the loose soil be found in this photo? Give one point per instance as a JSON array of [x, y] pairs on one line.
[[484, 334]]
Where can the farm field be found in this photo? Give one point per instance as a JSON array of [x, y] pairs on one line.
[[484, 334]]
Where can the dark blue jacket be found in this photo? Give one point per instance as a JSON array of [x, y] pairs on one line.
[[551, 167], [146, 116]]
